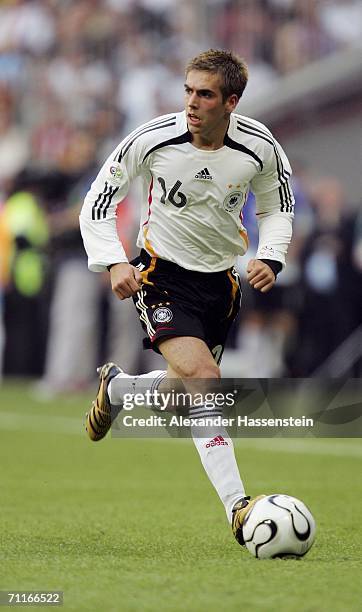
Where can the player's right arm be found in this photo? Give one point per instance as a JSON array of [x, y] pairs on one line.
[[125, 280], [98, 214], [98, 219]]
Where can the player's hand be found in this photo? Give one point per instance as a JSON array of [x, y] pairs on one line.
[[126, 280], [260, 275]]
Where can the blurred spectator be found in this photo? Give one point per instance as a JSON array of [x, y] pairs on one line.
[[70, 355], [141, 70], [51, 137], [28, 26], [357, 243], [331, 307], [78, 80], [342, 20], [14, 150], [301, 38], [268, 326], [24, 306], [6, 249]]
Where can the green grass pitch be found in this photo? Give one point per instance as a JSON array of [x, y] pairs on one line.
[[134, 525]]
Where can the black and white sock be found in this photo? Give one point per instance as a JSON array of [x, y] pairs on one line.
[[124, 383]]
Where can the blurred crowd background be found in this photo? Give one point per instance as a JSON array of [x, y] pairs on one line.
[[76, 77]]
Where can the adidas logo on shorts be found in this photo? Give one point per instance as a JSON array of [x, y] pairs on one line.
[[203, 175]]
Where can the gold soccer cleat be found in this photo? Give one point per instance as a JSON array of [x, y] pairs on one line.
[[99, 418], [240, 511]]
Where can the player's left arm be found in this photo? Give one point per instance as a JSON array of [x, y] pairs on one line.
[[275, 212], [260, 275]]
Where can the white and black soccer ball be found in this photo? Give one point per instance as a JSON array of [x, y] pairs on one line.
[[279, 526]]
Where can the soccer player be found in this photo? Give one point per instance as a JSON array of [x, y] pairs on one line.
[[196, 167]]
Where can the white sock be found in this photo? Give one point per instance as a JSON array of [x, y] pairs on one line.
[[216, 451], [124, 383]]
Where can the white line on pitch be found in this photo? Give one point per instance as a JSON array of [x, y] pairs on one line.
[[43, 423], [316, 446]]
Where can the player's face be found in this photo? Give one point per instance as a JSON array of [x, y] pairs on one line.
[[205, 109]]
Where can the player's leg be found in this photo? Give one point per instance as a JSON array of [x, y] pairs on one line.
[[214, 445], [170, 305], [191, 359], [188, 357], [161, 317], [114, 383]]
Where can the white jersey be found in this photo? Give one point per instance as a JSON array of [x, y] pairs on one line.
[[192, 206]]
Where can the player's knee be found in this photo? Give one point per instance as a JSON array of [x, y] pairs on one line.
[[211, 370], [201, 371]]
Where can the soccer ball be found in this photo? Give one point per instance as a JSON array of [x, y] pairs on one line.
[[279, 526]]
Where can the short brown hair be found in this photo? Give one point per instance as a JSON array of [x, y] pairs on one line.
[[232, 69]]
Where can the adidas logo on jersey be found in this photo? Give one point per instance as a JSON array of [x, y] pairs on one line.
[[203, 175], [218, 441]]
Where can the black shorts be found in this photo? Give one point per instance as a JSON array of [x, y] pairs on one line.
[[178, 302]]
